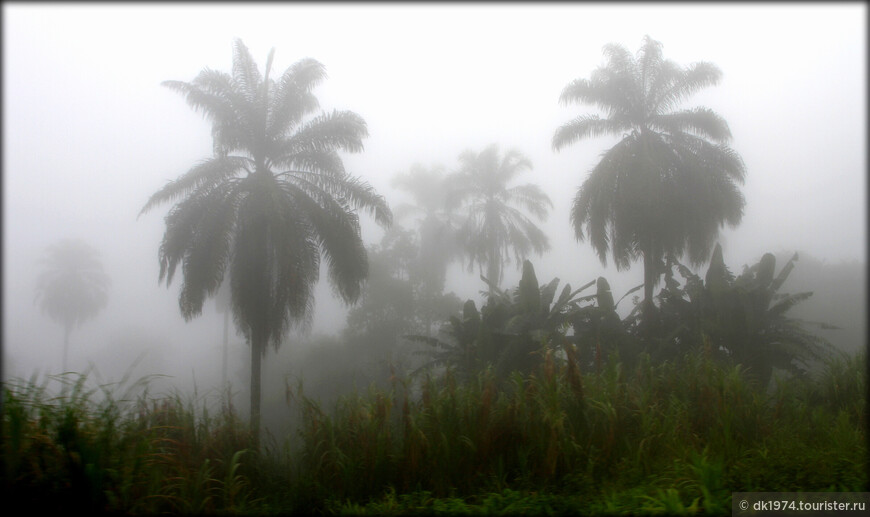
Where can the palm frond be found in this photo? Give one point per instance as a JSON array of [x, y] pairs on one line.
[[693, 78], [213, 104], [207, 252], [212, 93], [524, 236], [531, 197], [356, 193], [512, 164], [181, 222], [339, 130], [619, 59], [603, 91], [246, 75], [296, 255], [649, 63], [320, 162], [204, 175], [703, 122], [293, 99], [586, 126]]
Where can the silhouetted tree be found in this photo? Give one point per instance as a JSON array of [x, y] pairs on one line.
[[744, 319], [436, 224], [599, 331], [511, 332], [271, 202], [494, 222], [394, 302], [670, 183], [72, 288]]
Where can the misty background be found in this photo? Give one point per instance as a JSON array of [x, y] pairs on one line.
[[89, 134]]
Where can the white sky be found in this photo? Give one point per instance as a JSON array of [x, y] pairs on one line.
[[89, 133]]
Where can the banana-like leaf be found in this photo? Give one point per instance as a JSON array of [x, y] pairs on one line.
[[548, 292], [783, 275], [529, 293], [766, 267], [633, 289], [604, 296]]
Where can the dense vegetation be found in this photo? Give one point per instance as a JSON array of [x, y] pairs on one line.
[[541, 399], [674, 437], [477, 429]]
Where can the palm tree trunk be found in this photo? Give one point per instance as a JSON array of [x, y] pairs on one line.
[[490, 275], [492, 269], [259, 327], [649, 278], [66, 332], [67, 329], [226, 346], [257, 345]]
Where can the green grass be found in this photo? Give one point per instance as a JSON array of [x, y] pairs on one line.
[[674, 438]]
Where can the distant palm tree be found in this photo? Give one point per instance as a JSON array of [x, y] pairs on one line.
[[494, 220], [273, 199], [670, 183], [73, 287], [436, 223]]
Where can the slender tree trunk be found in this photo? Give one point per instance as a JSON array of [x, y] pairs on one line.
[[649, 278], [492, 269], [67, 329], [650, 269], [258, 283], [226, 346], [257, 345], [491, 275]]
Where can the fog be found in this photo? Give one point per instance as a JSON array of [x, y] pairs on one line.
[[89, 134]]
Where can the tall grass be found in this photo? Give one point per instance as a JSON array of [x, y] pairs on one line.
[[670, 438], [87, 449], [679, 435]]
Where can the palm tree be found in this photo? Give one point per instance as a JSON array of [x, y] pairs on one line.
[[494, 222], [273, 200], [73, 287], [670, 183], [436, 225]]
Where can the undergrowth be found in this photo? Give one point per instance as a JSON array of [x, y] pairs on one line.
[[674, 438]]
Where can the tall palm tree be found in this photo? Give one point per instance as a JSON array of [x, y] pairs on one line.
[[72, 287], [494, 220], [271, 202], [670, 183]]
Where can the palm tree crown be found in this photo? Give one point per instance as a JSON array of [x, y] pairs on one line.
[[72, 287], [494, 220], [271, 202], [670, 183]]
